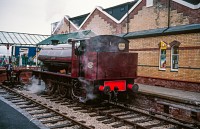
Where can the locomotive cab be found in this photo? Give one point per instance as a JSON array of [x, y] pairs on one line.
[[80, 48]]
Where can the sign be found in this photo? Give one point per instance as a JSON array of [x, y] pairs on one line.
[[163, 45]]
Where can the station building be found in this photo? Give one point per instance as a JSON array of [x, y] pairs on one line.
[[164, 33]]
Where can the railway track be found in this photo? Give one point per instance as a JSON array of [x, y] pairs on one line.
[[111, 113], [120, 116], [115, 115], [51, 118]]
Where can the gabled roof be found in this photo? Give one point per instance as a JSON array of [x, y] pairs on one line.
[[120, 12], [129, 6], [15, 38], [63, 38]]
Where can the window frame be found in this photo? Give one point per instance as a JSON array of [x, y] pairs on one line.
[[173, 44], [162, 68], [172, 50], [162, 46]]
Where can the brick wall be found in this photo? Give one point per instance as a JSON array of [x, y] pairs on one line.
[[145, 18], [189, 60], [100, 24], [65, 27]]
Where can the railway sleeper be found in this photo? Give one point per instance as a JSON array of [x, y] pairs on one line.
[[131, 117], [61, 126], [18, 101], [65, 103], [156, 125], [86, 111], [103, 118], [143, 120], [52, 121], [109, 121], [118, 125], [123, 114], [93, 114], [38, 112], [23, 103], [78, 109], [31, 109], [46, 116], [12, 97], [114, 111], [28, 106]]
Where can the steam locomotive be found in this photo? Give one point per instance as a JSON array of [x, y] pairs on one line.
[[99, 67]]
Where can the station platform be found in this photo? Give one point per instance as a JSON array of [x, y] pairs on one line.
[[171, 94], [13, 118]]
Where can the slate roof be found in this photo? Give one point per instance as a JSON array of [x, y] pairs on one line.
[[194, 2], [79, 19], [63, 38], [120, 10]]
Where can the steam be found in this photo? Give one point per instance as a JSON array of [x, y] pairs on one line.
[[89, 90], [55, 9], [36, 86]]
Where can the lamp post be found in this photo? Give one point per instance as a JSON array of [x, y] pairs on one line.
[[8, 46]]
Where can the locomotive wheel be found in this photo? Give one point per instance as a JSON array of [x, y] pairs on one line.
[[62, 91], [51, 88], [77, 93]]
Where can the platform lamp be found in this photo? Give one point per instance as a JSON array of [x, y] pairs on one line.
[[8, 46]]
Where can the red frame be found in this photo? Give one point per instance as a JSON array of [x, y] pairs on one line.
[[121, 84]]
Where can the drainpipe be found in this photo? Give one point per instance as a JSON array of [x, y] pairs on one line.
[[127, 31], [127, 21], [168, 17]]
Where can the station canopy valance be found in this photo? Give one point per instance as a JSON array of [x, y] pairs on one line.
[[15, 38], [63, 38]]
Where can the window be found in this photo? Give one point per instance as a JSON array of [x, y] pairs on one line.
[[174, 55], [174, 58], [162, 58]]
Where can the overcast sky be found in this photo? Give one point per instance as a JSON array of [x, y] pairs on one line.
[[36, 16]]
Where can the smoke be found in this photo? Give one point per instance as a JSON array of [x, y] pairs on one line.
[[89, 90], [55, 9], [36, 86]]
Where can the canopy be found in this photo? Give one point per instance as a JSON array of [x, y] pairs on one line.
[[63, 38], [15, 38]]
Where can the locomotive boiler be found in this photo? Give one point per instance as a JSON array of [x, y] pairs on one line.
[[99, 67]]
